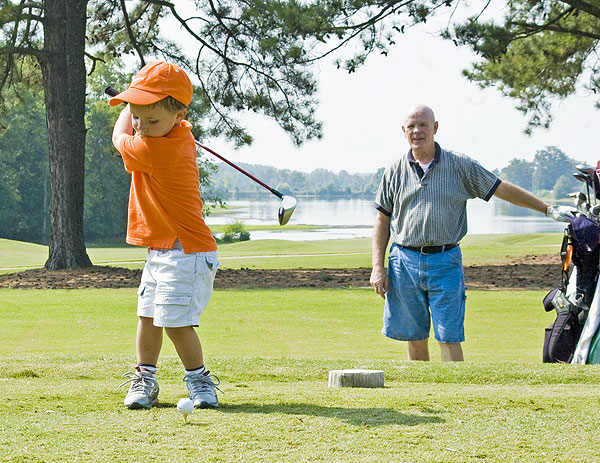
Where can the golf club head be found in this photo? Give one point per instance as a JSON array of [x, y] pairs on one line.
[[585, 169], [578, 197], [286, 209], [582, 177]]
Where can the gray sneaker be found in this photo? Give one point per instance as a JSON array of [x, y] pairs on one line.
[[202, 389], [143, 390]]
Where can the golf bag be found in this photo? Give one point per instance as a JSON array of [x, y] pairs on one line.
[[573, 299]]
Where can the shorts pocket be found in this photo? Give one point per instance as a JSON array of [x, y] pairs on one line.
[[141, 290], [212, 263], [173, 299]]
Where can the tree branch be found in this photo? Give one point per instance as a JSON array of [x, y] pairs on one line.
[[130, 33], [584, 6], [22, 51], [94, 60]]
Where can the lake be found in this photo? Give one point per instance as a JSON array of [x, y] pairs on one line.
[[353, 218]]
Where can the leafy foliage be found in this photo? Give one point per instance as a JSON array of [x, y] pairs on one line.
[[24, 186], [234, 232], [543, 50], [551, 169]]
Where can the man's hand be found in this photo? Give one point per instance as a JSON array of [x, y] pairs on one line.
[[561, 213], [379, 280]]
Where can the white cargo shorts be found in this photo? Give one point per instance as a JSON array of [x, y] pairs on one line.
[[176, 286]]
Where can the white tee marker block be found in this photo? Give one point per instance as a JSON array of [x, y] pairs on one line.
[[356, 378]]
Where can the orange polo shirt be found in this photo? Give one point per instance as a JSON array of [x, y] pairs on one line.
[[164, 198]]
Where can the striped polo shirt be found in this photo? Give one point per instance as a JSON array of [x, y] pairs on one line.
[[432, 210]]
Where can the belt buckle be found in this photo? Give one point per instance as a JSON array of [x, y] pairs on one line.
[[421, 250]]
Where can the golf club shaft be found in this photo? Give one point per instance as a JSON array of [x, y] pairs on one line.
[[250, 176], [112, 92]]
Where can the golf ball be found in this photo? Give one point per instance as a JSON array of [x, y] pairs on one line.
[[185, 406]]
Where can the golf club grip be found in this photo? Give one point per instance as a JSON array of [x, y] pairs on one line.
[[264, 185], [110, 91]]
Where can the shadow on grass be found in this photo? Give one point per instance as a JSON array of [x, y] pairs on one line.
[[353, 416]]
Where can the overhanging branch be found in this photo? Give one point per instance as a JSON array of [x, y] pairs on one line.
[[22, 51], [587, 7], [134, 42]]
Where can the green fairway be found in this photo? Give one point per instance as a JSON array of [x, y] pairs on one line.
[[301, 323], [349, 253], [63, 353]]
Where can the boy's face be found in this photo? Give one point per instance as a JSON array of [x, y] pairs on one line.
[[154, 121]]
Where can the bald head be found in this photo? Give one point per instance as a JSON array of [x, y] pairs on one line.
[[419, 129], [422, 111]]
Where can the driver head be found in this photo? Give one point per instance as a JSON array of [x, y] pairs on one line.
[[286, 209]]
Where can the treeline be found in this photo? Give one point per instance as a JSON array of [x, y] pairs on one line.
[[549, 175], [227, 183]]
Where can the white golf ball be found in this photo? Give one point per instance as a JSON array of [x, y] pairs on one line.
[[185, 406]]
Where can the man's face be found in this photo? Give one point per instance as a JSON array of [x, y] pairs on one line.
[[419, 129], [154, 121]]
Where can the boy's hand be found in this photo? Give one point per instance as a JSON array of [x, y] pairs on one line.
[[123, 127]]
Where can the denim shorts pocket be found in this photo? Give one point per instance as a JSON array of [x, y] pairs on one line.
[[212, 263], [173, 299]]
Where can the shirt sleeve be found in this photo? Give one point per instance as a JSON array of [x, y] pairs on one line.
[[136, 154], [480, 182], [384, 197]]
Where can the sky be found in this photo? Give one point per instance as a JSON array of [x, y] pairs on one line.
[[363, 113]]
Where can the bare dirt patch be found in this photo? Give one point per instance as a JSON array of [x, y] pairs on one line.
[[526, 272]]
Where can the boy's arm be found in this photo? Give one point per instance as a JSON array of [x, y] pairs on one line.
[[123, 128]]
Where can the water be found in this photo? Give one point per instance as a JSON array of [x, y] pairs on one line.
[[353, 218]]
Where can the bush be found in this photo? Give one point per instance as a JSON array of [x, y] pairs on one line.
[[235, 231]]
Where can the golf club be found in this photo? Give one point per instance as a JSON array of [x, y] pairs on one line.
[[591, 174], [580, 201], [585, 179], [288, 203]]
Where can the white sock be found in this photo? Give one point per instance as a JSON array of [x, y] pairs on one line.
[[198, 371], [151, 368]]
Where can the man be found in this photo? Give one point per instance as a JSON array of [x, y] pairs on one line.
[[421, 205]]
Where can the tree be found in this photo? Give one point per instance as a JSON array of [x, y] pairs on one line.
[[542, 51], [24, 171], [563, 187], [519, 172], [550, 164]]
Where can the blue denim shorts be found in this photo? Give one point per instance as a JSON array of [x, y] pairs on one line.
[[425, 289]]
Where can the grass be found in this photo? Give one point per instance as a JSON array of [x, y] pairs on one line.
[[349, 253], [299, 323], [63, 353]]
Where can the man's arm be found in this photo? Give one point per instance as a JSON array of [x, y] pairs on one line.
[[123, 127], [381, 237], [516, 195]]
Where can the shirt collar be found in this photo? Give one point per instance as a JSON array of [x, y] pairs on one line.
[[436, 158]]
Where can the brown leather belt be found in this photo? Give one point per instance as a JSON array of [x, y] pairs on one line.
[[431, 249]]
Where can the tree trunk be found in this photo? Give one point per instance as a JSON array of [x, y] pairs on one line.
[[64, 73]]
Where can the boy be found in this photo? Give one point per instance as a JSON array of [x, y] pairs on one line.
[[165, 214]]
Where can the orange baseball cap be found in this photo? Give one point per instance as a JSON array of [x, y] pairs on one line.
[[154, 82]]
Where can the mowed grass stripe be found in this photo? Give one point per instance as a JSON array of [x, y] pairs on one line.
[[301, 323], [274, 254]]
